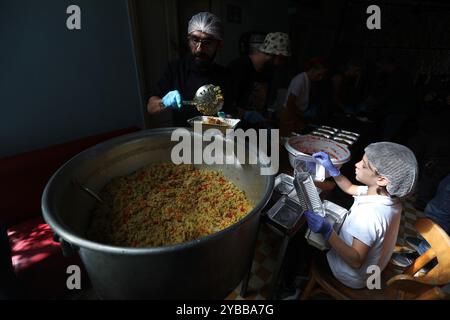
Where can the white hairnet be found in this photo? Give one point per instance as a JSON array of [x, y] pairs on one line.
[[208, 23], [395, 162]]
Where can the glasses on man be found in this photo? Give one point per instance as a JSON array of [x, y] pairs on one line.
[[196, 41]]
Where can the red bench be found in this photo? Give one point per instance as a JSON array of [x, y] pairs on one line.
[[38, 261]]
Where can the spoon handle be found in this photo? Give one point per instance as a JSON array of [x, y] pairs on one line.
[[189, 103], [88, 191]]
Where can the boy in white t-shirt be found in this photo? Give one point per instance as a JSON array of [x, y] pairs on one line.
[[368, 236]]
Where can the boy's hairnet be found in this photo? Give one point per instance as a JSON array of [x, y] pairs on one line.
[[208, 23], [395, 162]]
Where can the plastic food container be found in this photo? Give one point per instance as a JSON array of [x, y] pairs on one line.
[[302, 146]]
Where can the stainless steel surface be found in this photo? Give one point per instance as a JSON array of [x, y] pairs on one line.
[[211, 267], [208, 99]]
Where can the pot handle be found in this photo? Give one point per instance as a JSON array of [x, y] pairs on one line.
[[67, 248]]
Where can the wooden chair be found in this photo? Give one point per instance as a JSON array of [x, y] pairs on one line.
[[396, 286]]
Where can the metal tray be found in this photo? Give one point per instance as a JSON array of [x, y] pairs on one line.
[[284, 183], [335, 215], [293, 194], [285, 213], [346, 137], [337, 212], [225, 123]]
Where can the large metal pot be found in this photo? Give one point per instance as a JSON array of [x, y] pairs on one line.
[[207, 268]]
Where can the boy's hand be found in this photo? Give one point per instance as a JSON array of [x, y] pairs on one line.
[[318, 224], [324, 160]]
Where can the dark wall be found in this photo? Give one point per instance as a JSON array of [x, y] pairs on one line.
[[58, 85]]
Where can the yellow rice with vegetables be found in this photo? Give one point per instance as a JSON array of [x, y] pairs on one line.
[[166, 204]]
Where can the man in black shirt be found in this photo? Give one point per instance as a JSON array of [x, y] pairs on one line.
[[184, 76]]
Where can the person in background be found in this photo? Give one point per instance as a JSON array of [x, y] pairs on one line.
[[388, 172], [431, 146], [391, 100], [438, 209], [346, 88], [184, 76], [298, 103], [251, 75]]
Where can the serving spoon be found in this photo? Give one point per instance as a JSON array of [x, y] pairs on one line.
[[208, 100]]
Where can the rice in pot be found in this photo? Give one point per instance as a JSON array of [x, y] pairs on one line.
[[166, 204]]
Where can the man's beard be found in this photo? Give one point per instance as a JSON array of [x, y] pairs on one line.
[[203, 60]]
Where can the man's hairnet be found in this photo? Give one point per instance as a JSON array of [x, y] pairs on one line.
[[208, 23], [395, 162]]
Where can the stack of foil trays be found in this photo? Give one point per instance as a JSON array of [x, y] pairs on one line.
[[342, 136], [285, 209], [335, 215], [290, 200]]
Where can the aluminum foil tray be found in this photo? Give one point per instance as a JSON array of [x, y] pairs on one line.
[[342, 136], [286, 213], [209, 122], [284, 183], [335, 215]]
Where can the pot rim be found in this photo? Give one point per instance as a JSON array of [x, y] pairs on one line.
[[70, 237]]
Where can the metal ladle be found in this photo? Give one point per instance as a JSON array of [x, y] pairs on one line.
[[208, 100]]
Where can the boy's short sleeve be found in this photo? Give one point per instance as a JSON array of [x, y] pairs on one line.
[[364, 227]]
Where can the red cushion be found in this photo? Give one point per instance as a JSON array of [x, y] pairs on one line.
[[23, 177], [38, 260], [31, 242]]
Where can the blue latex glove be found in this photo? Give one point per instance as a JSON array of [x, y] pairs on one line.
[[324, 160], [253, 117], [318, 224], [172, 100]]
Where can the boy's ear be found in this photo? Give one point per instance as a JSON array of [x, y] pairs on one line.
[[382, 181]]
